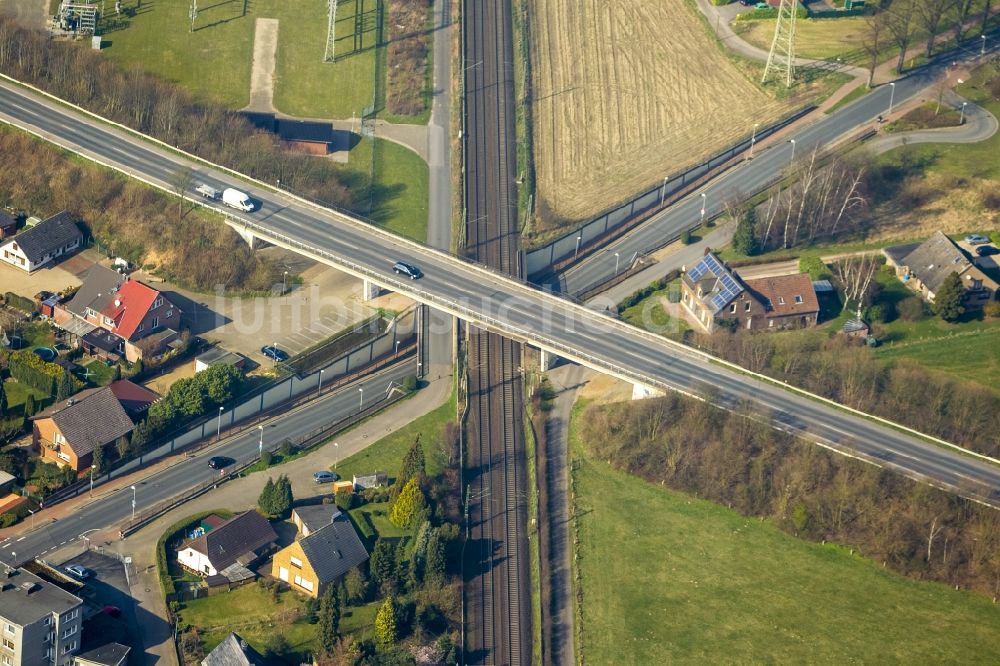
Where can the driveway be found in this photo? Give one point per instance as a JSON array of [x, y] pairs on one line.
[[54, 279]]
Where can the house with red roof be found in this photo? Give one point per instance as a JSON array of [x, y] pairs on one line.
[[114, 316]]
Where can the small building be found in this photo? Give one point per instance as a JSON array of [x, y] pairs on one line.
[[343, 487], [789, 300], [323, 556], [8, 224], [924, 267], [306, 136], [241, 540], [68, 432], [109, 654], [42, 622], [11, 501], [218, 356], [134, 399], [855, 327], [374, 480], [6, 481], [43, 243], [234, 651]]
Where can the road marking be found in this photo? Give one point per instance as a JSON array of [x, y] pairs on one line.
[[22, 539]]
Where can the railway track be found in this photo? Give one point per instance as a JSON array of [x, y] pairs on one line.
[[498, 625]]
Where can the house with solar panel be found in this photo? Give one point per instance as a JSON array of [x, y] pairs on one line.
[[716, 297]]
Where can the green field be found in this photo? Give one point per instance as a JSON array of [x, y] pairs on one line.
[[387, 453], [215, 60], [698, 583], [402, 182]]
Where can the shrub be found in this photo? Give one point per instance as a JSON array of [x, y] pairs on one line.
[[25, 305], [26, 367], [992, 309], [285, 448], [912, 309], [685, 237], [815, 267], [410, 383], [345, 501], [265, 457]]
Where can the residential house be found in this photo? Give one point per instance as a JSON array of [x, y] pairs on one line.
[[924, 267], [6, 481], [328, 549], [374, 480], [8, 224], [109, 654], [234, 651], [68, 432], [715, 297], [230, 548], [789, 300], [134, 399], [41, 622], [114, 316], [41, 244]]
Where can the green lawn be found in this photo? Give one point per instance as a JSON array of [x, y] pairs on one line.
[[215, 60], [376, 514], [814, 38], [402, 190], [251, 612], [387, 453], [100, 373], [698, 583], [17, 393], [650, 315]]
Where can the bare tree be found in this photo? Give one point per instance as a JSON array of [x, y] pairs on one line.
[[964, 9], [855, 275], [180, 182], [876, 27], [929, 14], [900, 24], [986, 15]]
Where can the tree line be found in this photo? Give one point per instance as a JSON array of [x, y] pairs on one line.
[[912, 528], [165, 111]]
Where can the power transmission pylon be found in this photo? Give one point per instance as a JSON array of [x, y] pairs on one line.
[[331, 31], [782, 55]]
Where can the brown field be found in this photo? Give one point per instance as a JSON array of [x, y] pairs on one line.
[[627, 92]]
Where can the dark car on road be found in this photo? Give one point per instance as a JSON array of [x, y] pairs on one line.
[[324, 477], [275, 354], [987, 250], [409, 270], [220, 462]]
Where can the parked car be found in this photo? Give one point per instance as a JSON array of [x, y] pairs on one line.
[[113, 611], [275, 354], [976, 239], [987, 250], [747, 3], [79, 572], [324, 477], [762, 5], [409, 270], [220, 462]]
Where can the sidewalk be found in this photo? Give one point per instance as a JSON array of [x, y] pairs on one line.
[[239, 494]]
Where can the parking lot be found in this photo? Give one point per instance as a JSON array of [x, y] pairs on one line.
[[104, 591]]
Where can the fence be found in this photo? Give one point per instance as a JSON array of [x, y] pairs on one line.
[[617, 220], [368, 356]]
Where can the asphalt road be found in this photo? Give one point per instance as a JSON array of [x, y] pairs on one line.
[[751, 176], [191, 472], [502, 305]]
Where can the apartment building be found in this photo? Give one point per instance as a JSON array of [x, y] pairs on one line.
[[40, 623]]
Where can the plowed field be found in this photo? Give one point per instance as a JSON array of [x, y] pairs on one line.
[[625, 93]]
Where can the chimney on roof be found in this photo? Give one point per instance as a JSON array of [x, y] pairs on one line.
[[118, 302], [243, 644]]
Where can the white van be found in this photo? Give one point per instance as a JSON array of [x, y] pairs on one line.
[[236, 199]]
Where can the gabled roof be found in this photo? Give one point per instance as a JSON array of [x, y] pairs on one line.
[[129, 306], [786, 294], [234, 651], [7, 220], [237, 536], [935, 259], [317, 516], [109, 654], [89, 419], [716, 284], [334, 550], [98, 289], [47, 236], [102, 338], [304, 130], [133, 398]]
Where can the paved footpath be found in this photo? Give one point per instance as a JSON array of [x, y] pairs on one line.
[[235, 495]]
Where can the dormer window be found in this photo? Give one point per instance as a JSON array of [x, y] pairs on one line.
[[158, 302], [109, 321], [781, 300], [798, 299]]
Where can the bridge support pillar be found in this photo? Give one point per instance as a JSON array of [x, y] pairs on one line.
[[369, 290], [641, 392], [547, 360], [246, 234]]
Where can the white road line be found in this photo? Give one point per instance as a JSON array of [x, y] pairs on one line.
[[22, 538]]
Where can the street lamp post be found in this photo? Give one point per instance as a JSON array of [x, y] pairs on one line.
[[616, 263], [892, 96], [663, 189], [260, 444], [982, 50], [361, 400], [336, 454], [284, 282], [133, 502], [397, 347], [753, 140], [792, 141], [961, 120], [704, 201], [218, 426], [319, 387], [579, 237], [32, 518]]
